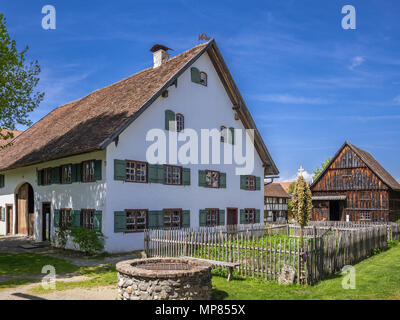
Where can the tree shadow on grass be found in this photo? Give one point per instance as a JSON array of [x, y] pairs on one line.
[[218, 294]]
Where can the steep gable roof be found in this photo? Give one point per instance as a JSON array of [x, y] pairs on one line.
[[93, 122], [370, 162]]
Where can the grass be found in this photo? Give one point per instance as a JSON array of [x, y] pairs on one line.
[[377, 277], [100, 276], [32, 263], [15, 283]]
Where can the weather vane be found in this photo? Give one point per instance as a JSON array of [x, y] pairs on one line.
[[203, 36]]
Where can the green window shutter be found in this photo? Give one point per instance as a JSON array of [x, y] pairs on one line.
[[243, 182], [258, 183], [1, 180], [222, 180], [242, 216], [76, 172], [160, 174], [119, 221], [185, 219], [119, 170], [202, 178], [186, 176], [156, 173], [203, 218], [155, 220], [97, 221], [56, 218], [195, 75], [75, 218], [3, 214], [221, 217], [153, 177], [169, 117], [232, 135], [97, 169], [55, 175], [39, 177], [257, 219]]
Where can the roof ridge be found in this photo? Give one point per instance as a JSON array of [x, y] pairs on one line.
[[107, 86]]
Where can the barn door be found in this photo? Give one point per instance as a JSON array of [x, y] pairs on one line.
[[9, 219], [22, 209]]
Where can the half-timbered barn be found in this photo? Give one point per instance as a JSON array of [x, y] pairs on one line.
[[355, 187], [275, 203]]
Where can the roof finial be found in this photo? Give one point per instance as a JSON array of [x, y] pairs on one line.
[[301, 171]]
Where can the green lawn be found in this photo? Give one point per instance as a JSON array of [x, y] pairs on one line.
[[100, 276], [377, 277], [32, 263]]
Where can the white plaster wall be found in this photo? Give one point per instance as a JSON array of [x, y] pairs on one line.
[[203, 107], [75, 196]]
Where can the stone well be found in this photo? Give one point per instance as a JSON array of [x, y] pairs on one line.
[[164, 279]]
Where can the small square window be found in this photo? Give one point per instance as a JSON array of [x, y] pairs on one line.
[[212, 179], [172, 218], [66, 174], [88, 171], [136, 171], [173, 175], [136, 220], [87, 218]]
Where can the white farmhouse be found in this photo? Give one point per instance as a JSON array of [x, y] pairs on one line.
[[85, 164]]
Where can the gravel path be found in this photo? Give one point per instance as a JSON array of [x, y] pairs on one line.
[[23, 292]]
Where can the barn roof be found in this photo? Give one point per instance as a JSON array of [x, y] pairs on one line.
[[370, 162], [93, 122], [275, 190]]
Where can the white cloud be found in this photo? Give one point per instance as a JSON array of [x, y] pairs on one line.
[[307, 176], [356, 61], [288, 99]]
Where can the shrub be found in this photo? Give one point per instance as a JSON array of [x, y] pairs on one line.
[[60, 238], [88, 241]]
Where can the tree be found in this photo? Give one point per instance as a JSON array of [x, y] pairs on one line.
[[301, 204], [320, 169], [18, 80], [290, 191]]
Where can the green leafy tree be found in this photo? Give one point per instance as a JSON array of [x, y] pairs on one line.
[[319, 170], [301, 204], [18, 80]]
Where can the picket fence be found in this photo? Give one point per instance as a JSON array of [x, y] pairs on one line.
[[262, 251]]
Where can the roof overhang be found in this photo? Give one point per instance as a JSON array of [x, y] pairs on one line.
[[327, 198]]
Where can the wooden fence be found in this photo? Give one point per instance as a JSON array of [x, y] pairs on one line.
[[263, 251]]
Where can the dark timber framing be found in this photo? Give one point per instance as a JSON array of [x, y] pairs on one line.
[[355, 187]]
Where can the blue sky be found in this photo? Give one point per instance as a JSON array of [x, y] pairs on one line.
[[309, 84]]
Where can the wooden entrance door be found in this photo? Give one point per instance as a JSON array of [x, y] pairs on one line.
[[232, 216], [46, 216], [22, 209], [9, 219]]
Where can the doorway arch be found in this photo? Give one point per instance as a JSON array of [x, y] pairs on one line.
[[24, 205]]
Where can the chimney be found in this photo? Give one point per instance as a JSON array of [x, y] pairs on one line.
[[160, 54]]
